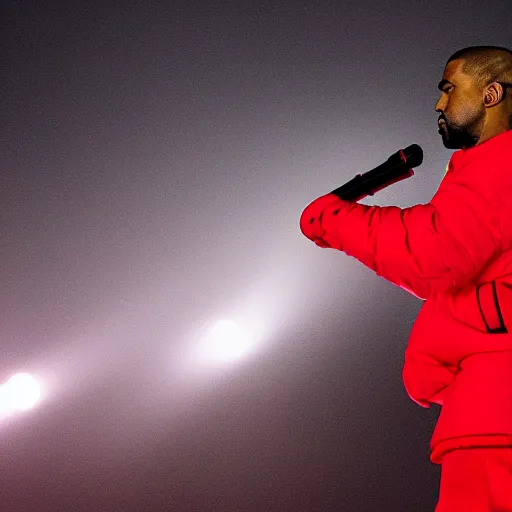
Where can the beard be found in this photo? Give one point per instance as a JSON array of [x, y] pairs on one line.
[[460, 136]]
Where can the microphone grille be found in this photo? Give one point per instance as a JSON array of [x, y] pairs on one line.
[[413, 155]]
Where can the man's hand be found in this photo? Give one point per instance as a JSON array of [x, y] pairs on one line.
[[311, 218]]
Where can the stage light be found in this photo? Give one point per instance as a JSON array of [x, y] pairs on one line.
[[228, 341], [20, 393]]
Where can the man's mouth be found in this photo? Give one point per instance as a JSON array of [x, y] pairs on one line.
[[441, 127]]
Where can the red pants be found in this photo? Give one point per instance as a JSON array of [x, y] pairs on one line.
[[476, 480]]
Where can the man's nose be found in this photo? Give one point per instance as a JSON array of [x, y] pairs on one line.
[[440, 105]]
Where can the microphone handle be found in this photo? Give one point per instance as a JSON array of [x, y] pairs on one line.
[[372, 181]]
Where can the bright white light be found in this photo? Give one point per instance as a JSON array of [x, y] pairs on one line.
[[20, 393], [228, 341]]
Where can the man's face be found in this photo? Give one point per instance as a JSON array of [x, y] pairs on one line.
[[460, 107]]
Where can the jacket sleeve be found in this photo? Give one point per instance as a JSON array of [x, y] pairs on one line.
[[439, 246]]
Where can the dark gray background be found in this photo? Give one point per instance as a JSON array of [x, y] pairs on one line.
[[156, 157]]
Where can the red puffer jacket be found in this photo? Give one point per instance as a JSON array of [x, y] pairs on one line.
[[456, 253]]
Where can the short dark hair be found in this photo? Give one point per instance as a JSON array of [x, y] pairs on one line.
[[486, 64]]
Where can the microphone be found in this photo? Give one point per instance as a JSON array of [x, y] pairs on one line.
[[396, 168]]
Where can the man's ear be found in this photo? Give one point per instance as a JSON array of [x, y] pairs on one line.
[[493, 94]]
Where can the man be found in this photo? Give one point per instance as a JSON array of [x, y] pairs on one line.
[[456, 253]]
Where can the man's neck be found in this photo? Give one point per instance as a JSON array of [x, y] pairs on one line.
[[491, 131]]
